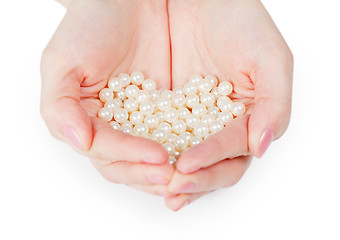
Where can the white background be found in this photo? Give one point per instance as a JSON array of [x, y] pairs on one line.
[[47, 191]]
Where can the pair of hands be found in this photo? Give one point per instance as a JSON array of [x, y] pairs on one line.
[[168, 41]]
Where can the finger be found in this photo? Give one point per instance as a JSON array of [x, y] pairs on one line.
[[177, 202], [60, 103], [156, 189], [224, 174], [231, 142], [273, 94], [134, 173], [112, 145]]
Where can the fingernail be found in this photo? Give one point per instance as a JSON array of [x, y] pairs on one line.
[[157, 179], [187, 188], [265, 141], [185, 204], [72, 136]]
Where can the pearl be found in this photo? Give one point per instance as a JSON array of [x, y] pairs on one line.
[[170, 115], [187, 135], [178, 100], [177, 154], [190, 88], [238, 109], [163, 103], [130, 105], [154, 95], [179, 127], [114, 104], [204, 86], [225, 88], [215, 92], [191, 100], [194, 141], [224, 103], [121, 94], [199, 109], [208, 99], [183, 113], [105, 114], [149, 85], [213, 110], [172, 160], [131, 91], [136, 118], [127, 124], [195, 79], [171, 137], [159, 135], [137, 78], [141, 129], [170, 148], [201, 130], [146, 108], [166, 127], [106, 94], [115, 84], [125, 79], [121, 115], [212, 79], [181, 142], [166, 93], [215, 126], [192, 120], [127, 129], [160, 116], [115, 125], [178, 90], [142, 96], [225, 117], [207, 118], [151, 121]]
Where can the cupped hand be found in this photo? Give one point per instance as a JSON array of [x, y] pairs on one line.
[[95, 40], [237, 41]]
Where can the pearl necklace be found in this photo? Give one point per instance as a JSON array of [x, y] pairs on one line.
[[178, 119]]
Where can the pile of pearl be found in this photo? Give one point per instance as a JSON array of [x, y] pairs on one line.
[[178, 119]]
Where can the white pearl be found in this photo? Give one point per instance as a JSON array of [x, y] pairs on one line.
[[172, 160], [207, 118], [194, 141], [141, 129], [225, 88], [224, 103], [127, 129], [127, 124], [151, 121], [114, 104], [170, 115], [192, 120], [163, 103], [215, 92], [179, 127], [183, 113], [178, 90], [213, 111], [171, 138], [201, 130], [154, 95], [121, 115], [136, 117], [125, 79], [215, 126], [204, 86], [115, 84], [137, 78], [191, 100], [195, 79], [131, 91], [178, 100], [190, 88], [177, 154], [181, 142], [149, 85], [115, 125], [105, 114], [208, 99], [238, 109], [212, 79], [121, 94], [142, 96], [159, 115], [170, 148], [159, 135], [225, 117], [199, 109], [146, 108], [106, 94], [130, 105], [166, 127], [166, 93], [187, 135]]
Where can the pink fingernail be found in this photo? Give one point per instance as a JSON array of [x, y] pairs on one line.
[[157, 179], [185, 204], [189, 187], [72, 136], [265, 141]]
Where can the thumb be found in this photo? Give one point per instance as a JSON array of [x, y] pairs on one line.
[[60, 103], [271, 112]]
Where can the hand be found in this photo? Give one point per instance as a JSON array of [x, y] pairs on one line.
[[95, 40], [236, 41]]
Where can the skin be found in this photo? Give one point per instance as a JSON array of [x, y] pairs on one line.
[[234, 40]]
